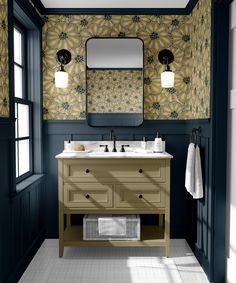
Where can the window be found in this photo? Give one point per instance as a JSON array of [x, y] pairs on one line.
[[23, 107]]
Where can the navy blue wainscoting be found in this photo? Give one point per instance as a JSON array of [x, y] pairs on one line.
[[200, 230], [177, 139], [21, 214]]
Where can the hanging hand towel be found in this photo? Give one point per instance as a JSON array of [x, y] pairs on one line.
[[190, 169], [198, 188]]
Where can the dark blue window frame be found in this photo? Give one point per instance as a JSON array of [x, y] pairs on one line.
[[23, 101], [22, 12]]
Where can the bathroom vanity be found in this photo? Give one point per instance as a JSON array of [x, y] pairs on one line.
[[114, 183]]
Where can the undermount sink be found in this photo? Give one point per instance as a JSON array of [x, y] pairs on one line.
[[102, 153]]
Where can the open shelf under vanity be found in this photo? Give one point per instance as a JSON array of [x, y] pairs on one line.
[[150, 236]]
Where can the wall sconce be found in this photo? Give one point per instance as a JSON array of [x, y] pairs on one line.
[[61, 76], [166, 57]]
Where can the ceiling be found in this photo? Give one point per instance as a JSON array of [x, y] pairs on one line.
[[115, 3]]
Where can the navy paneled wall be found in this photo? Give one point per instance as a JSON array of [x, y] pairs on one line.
[[5, 209], [177, 138], [21, 215], [200, 230]]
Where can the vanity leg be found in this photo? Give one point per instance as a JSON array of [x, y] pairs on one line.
[[61, 223], [161, 220], [61, 249], [167, 235], [167, 210], [167, 250], [61, 232], [68, 220]]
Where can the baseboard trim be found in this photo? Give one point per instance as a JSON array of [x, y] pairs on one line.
[[26, 259]]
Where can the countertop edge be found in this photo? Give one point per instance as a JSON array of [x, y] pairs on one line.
[[136, 156]]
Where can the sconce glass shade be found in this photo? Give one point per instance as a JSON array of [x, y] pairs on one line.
[[61, 79], [166, 57], [167, 79]]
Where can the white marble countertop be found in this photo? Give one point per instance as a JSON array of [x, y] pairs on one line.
[[93, 150], [112, 155]]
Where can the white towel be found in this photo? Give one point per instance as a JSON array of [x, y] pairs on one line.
[[198, 184], [190, 169], [112, 226]]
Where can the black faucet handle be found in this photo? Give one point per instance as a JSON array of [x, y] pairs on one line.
[[123, 147], [106, 147]]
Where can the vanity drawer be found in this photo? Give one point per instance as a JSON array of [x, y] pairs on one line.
[[88, 195], [114, 169], [141, 195]]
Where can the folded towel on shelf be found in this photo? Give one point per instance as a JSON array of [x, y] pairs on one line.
[[190, 169], [112, 226], [198, 187]]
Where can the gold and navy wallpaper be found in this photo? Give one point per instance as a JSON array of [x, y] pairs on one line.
[[199, 105], [187, 36], [114, 91], [4, 94]]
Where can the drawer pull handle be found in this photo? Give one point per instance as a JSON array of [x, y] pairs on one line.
[[87, 170], [140, 170], [140, 196], [87, 196]]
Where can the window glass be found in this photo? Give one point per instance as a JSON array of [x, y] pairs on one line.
[[23, 120], [18, 81], [17, 165], [24, 162], [17, 47], [16, 120]]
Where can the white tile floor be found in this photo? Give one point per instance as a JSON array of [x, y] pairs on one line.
[[114, 265]]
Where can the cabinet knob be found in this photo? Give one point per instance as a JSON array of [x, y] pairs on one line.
[[140, 170], [87, 170], [87, 196], [140, 196]]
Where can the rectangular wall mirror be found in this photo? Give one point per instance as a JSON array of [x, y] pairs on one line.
[[114, 81]]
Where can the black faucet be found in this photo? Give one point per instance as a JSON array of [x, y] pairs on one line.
[[111, 135], [113, 138]]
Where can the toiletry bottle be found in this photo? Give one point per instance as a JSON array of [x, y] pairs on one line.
[[144, 143], [163, 144], [158, 144], [67, 145]]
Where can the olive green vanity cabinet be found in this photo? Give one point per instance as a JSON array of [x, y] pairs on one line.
[[114, 186]]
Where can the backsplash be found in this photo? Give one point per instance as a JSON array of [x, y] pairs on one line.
[[4, 93], [115, 91]]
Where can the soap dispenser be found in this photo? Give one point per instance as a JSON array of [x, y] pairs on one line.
[[67, 145], [163, 143], [158, 144], [144, 143]]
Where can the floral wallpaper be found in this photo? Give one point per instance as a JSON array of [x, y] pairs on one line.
[[4, 95], [188, 99], [199, 105], [114, 91]]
